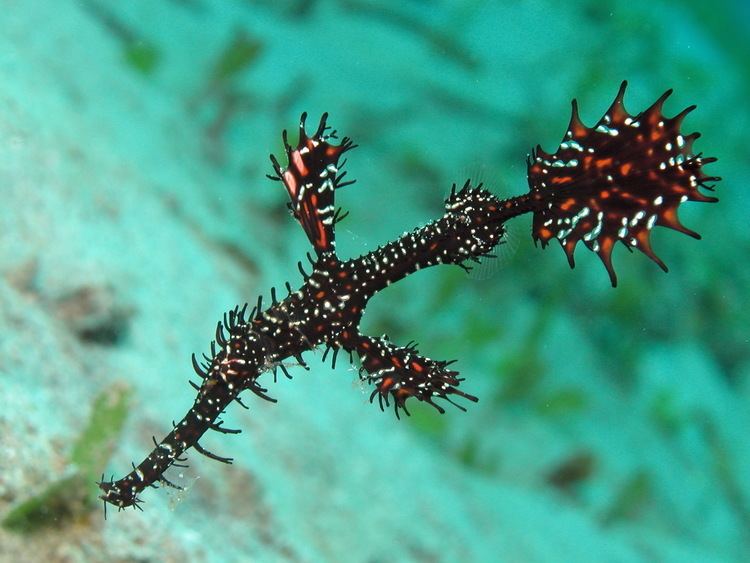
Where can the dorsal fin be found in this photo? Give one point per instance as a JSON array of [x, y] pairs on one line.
[[311, 177], [616, 181]]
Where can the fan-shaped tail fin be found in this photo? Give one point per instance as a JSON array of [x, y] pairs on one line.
[[616, 181]]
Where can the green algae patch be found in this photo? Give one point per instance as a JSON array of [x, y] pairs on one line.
[[562, 402], [61, 502], [142, 56], [73, 496], [630, 499], [239, 54], [96, 443]]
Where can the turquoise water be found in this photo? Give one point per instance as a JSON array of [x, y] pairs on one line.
[[612, 423]]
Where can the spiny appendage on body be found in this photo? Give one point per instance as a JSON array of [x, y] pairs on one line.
[[612, 182], [400, 373]]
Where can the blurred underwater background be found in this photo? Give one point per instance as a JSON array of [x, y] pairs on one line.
[[612, 424]]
